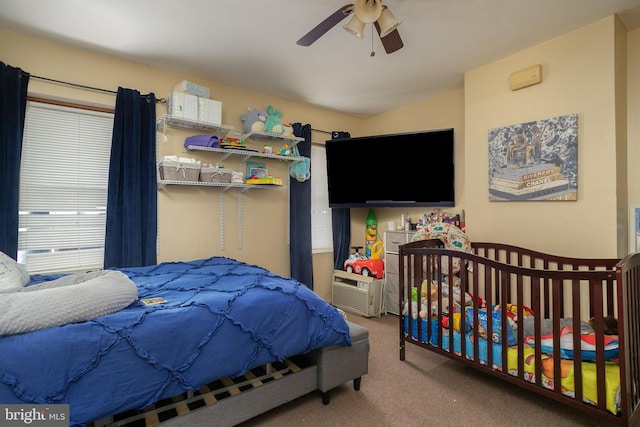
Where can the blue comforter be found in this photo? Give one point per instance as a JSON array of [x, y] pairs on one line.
[[221, 318]]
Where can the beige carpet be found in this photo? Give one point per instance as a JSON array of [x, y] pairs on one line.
[[425, 390]]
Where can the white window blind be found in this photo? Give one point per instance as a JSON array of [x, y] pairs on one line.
[[321, 234], [63, 188]]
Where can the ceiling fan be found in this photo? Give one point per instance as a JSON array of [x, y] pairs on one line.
[[364, 12]]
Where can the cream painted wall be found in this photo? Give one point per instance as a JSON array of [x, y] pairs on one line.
[[578, 77], [622, 211], [190, 223], [439, 112], [633, 124]]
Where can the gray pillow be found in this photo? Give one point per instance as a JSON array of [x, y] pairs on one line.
[[70, 299], [13, 275]]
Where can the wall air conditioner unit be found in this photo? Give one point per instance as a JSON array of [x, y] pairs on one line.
[[356, 293]]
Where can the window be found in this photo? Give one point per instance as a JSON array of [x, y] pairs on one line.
[[321, 234], [63, 188]]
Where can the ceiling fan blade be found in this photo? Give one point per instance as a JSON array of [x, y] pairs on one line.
[[392, 41], [320, 29]]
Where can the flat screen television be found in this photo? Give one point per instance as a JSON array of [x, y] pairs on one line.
[[394, 170]]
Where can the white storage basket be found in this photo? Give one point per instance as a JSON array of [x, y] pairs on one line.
[[211, 173], [175, 170]]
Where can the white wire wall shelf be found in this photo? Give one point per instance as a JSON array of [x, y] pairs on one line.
[[221, 130], [291, 140], [244, 154], [238, 153], [218, 129], [225, 185]]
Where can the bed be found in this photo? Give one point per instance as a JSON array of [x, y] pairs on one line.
[[192, 323], [530, 319]]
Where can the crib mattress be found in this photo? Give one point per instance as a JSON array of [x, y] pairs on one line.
[[589, 369]]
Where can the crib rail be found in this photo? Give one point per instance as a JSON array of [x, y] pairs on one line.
[[628, 279], [517, 256], [559, 291]]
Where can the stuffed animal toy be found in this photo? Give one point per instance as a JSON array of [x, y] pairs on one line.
[[255, 120], [423, 309], [287, 130], [414, 305], [273, 123], [422, 313], [445, 305]]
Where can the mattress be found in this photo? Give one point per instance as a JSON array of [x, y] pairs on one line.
[[589, 369], [207, 319]]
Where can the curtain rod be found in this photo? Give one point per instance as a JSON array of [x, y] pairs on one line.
[[321, 131], [158, 100]]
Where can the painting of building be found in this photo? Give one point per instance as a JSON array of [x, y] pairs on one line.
[[536, 160]]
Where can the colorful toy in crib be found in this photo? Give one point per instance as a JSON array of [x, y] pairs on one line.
[[414, 304], [587, 345], [512, 311], [445, 304], [452, 237], [445, 299], [447, 307], [496, 324], [457, 293]]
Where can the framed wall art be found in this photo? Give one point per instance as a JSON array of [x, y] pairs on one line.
[[634, 229], [535, 160]]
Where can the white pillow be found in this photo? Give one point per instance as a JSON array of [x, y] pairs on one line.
[[12, 275]]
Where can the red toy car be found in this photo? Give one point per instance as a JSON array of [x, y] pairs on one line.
[[368, 267]]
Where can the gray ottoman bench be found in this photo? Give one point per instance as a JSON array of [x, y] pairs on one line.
[[338, 365]]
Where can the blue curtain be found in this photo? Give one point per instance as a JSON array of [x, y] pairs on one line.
[[300, 213], [13, 105], [132, 209], [341, 224]]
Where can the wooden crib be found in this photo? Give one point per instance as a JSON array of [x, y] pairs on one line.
[[508, 311]]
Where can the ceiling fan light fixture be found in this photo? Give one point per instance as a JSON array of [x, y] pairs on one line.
[[368, 11], [355, 27], [387, 22]]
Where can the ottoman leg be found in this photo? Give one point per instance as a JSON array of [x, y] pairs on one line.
[[356, 383], [326, 398], [338, 365]]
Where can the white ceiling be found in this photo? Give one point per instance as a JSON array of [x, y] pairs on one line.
[[251, 44]]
